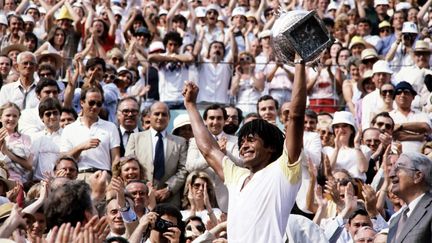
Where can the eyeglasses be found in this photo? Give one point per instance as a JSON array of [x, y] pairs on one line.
[[372, 141], [398, 167], [31, 64], [405, 92], [422, 53], [385, 30], [198, 185], [49, 113], [387, 92], [214, 12], [358, 225], [127, 111], [138, 193], [119, 59], [387, 126], [110, 76], [94, 102], [245, 59]]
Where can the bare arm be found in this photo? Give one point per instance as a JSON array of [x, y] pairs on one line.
[[417, 127], [22, 7], [49, 20], [423, 10], [295, 125], [347, 94], [206, 143]]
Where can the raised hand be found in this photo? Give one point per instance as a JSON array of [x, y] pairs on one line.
[[190, 92], [370, 197]]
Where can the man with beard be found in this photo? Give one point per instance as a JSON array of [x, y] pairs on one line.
[[234, 119], [214, 73]]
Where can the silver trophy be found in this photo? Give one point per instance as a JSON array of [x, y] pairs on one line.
[[302, 32]]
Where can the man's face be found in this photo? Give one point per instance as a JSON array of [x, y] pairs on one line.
[[284, 112], [66, 118], [114, 218], [68, 167], [253, 152], [215, 121], [51, 119], [97, 69], [139, 193], [34, 13], [404, 98], [371, 139], [127, 114], [159, 116], [421, 59], [91, 105], [310, 124], [212, 16], [357, 222], [27, 66], [398, 20], [49, 91], [364, 236], [239, 21], [363, 29], [172, 47], [267, 110], [216, 50], [232, 121], [384, 124], [5, 66], [402, 177], [381, 9], [381, 78], [16, 25], [156, 236]]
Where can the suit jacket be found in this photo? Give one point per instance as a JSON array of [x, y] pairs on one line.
[[122, 146], [140, 145], [195, 161], [418, 227]]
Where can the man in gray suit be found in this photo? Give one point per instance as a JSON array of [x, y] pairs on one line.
[[214, 117], [411, 178], [163, 155]]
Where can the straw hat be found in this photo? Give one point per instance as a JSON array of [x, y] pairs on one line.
[[57, 57], [422, 46], [13, 47]]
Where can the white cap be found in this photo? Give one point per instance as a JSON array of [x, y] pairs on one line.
[[31, 6], [200, 12], [117, 10], [264, 33], [27, 18], [381, 2], [156, 45], [402, 6], [42, 10], [333, 5], [409, 27], [343, 117], [213, 7], [238, 11], [381, 66], [181, 120], [162, 12], [3, 19]]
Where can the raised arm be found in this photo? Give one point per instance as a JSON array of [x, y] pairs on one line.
[[294, 127], [207, 145]]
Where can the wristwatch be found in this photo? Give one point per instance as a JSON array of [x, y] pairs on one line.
[[125, 208], [299, 61]]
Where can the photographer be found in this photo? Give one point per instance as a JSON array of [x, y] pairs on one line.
[[401, 55], [163, 224]]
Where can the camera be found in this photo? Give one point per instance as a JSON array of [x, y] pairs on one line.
[[162, 225]]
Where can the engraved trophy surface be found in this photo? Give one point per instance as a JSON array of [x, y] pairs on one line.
[[302, 32]]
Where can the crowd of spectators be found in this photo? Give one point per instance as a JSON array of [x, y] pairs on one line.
[[338, 150]]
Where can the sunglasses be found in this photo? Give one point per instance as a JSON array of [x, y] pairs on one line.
[[115, 59], [94, 102], [214, 12], [385, 30], [405, 92], [245, 59], [387, 92], [110, 76], [386, 125], [197, 185], [127, 112], [50, 113]]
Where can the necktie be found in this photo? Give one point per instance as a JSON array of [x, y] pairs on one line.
[[126, 137], [159, 158], [402, 222]]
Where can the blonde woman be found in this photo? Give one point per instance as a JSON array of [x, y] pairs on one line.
[[199, 198]]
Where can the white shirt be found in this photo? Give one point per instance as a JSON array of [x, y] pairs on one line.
[[100, 157], [371, 104], [46, 149], [155, 139], [214, 81], [125, 136], [15, 92], [413, 204], [413, 116], [30, 123], [259, 211]]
